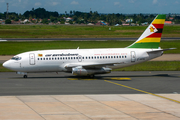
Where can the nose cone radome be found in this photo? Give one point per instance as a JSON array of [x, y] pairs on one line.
[[6, 64]]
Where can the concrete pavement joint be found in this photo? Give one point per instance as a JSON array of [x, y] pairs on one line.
[[71, 107], [112, 108], [31, 108]]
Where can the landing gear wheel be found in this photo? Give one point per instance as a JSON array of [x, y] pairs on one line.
[[25, 76], [91, 76]]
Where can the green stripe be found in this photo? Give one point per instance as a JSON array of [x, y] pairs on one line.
[[161, 17], [145, 45]]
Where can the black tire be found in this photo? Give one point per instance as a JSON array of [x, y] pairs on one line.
[[25, 76], [91, 76]]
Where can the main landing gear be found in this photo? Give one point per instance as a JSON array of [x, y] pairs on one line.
[[91, 76], [24, 76]]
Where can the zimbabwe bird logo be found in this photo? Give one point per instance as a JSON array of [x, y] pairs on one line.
[[152, 29]]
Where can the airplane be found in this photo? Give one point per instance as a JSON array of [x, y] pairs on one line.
[[89, 62]]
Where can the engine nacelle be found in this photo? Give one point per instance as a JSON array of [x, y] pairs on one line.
[[86, 72]]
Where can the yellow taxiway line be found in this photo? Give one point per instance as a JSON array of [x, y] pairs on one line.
[[142, 91]]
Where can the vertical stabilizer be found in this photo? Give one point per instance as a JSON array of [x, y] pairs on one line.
[[152, 35]]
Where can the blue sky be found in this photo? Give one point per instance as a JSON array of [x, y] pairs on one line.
[[102, 6]]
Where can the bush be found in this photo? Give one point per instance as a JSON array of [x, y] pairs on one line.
[[8, 21]]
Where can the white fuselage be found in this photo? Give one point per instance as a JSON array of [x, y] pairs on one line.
[[65, 60]]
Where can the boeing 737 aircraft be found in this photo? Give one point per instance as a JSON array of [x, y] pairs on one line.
[[88, 62]]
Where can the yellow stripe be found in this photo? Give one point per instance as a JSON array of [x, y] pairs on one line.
[[158, 21], [143, 91], [149, 40]]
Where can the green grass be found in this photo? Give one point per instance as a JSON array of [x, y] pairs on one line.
[[146, 66], [153, 66], [73, 31], [13, 48]]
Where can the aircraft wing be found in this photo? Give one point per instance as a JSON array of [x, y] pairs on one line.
[[89, 65]]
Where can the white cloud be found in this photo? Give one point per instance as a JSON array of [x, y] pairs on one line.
[[54, 3], [74, 3], [155, 1], [2, 1], [37, 4], [116, 3], [176, 2], [131, 1]]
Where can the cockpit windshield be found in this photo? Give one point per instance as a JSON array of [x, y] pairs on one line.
[[16, 58]]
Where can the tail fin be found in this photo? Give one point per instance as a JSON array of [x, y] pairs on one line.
[[152, 35]]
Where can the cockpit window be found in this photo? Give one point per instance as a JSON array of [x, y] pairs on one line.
[[16, 58]]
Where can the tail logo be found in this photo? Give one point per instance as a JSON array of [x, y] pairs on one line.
[[151, 29], [151, 37]]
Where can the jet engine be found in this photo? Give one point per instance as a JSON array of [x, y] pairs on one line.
[[88, 72]]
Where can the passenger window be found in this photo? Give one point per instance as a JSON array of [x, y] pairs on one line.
[[122, 56], [111, 56], [86, 57], [108, 56], [49, 58], [95, 57], [117, 56], [92, 57], [44, 58], [114, 56]]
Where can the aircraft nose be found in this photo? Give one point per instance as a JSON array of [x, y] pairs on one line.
[[6, 64]]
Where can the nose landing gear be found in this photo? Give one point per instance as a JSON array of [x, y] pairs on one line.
[[22, 73]]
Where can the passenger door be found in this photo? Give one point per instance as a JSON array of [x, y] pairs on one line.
[[31, 59]]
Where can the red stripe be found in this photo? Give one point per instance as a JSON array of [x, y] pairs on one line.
[[158, 25], [155, 35]]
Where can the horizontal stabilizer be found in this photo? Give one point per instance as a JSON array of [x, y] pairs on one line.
[[161, 50]]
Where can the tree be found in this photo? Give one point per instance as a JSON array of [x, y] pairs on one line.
[[45, 21], [8, 21], [71, 12]]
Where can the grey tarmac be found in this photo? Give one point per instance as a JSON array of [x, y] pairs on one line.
[[119, 95], [67, 84], [80, 39]]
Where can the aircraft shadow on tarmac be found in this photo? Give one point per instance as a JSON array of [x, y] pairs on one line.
[[117, 77]]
